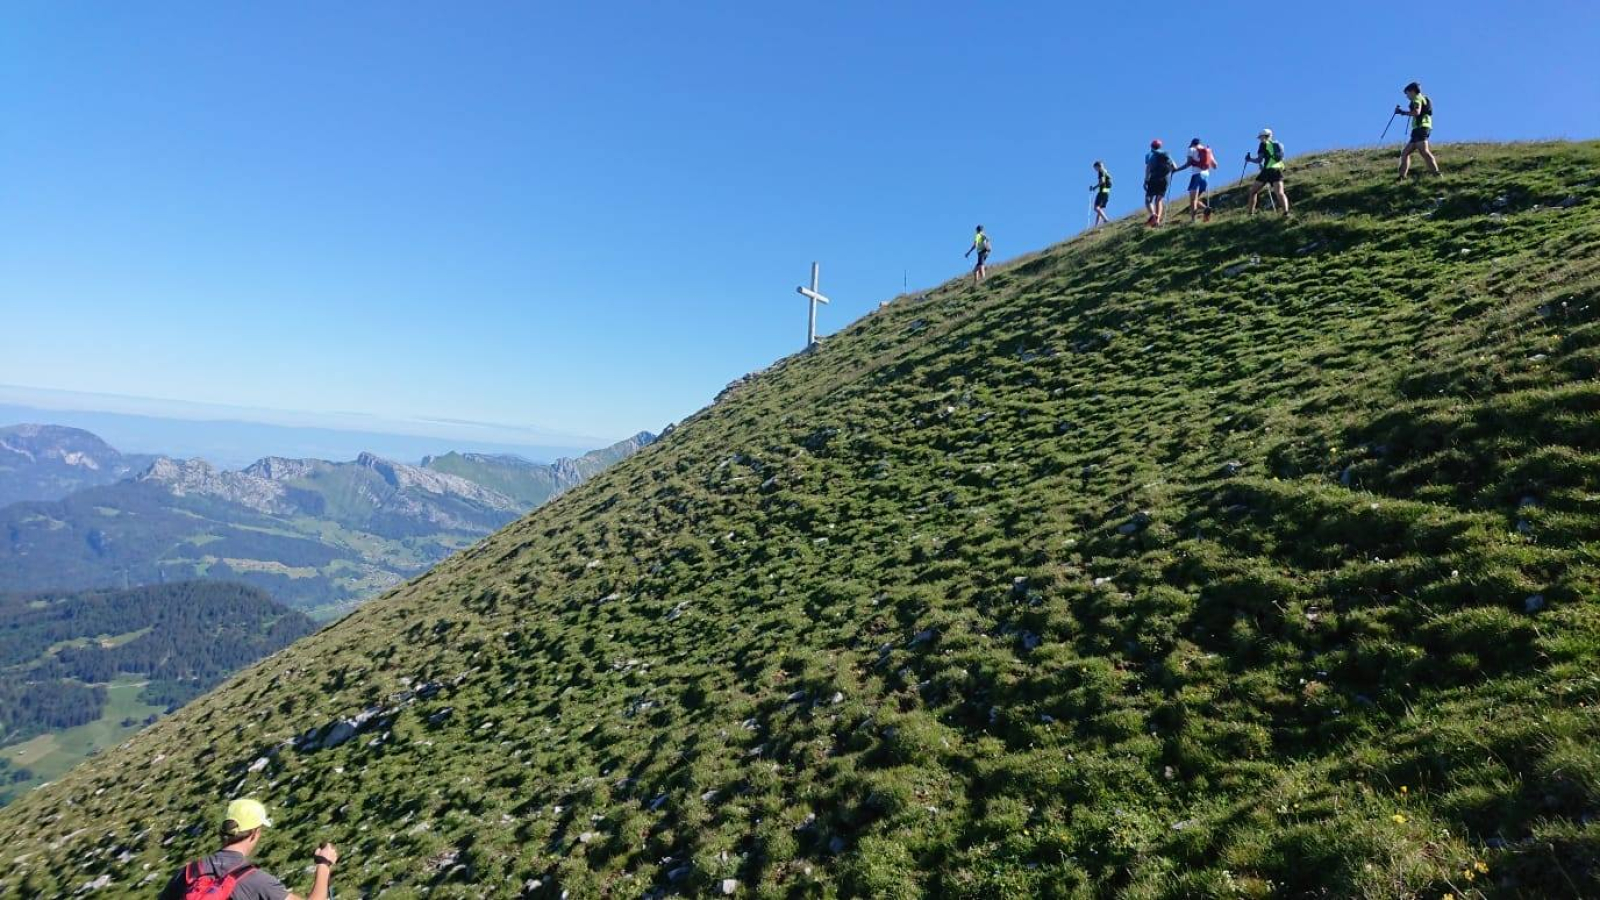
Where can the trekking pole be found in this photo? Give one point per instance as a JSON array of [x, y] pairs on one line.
[[1387, 127]]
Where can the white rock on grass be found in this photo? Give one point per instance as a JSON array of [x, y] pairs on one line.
[[730, 886]]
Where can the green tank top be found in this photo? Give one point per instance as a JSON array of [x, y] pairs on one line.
[[1270, 157], [1424, 108]]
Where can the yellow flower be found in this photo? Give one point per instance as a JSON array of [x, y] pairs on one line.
[[1399, 818], [1481, 866], [1404, 789]]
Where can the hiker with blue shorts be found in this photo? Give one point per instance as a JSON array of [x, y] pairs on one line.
[[1202, 161]]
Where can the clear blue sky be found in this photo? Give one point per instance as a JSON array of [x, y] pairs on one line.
[[590, 216]]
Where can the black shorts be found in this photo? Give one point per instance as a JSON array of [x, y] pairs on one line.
[[1419, 135], [1270, 176], [1156, 187], [983, 257], [1101, 199]]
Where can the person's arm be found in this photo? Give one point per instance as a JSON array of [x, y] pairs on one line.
[[1186, 163], [322, 880], [969, 251]]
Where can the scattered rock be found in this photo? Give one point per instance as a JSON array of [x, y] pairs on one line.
[[924, 636], [1348, 476], [259, 764], [1533, 603], [1231, 468], [730, 886], [1139, 521]]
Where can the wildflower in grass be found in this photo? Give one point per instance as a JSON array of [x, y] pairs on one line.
[[1481, 866], [1399, 818]]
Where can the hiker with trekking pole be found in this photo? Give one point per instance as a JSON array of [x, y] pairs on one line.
[[228, 873], [1269, 154], [980, 243], [1420, 112], [1158, 169], [1102, 193], [1202, 161]]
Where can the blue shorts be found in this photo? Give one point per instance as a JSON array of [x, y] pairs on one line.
[[1199, 182]]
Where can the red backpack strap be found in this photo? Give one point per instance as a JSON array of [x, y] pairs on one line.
[[224, 888]]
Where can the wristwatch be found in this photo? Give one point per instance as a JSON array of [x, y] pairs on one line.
[[321, 860]]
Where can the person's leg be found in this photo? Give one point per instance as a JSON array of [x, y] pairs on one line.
[[1427, 156], [1255, 195], [1405, 159], [1283, 197]]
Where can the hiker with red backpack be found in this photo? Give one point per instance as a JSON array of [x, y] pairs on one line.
[[1202, 161], [228, 873]]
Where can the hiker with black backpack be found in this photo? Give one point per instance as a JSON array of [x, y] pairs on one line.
[[1102, 193], [1420, 112], [1270, 155], [228, 873], [1202, 161], [1158, 169]]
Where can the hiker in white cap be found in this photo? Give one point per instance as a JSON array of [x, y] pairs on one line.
[[1270, 155]]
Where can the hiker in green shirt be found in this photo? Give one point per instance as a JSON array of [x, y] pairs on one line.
[[1270, 155], [1102, 195], [1420, 112], [980, 243]]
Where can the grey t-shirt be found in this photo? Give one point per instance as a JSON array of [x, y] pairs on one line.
[[257, 885]]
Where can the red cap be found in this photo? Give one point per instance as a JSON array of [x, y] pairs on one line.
[[1156, 143]]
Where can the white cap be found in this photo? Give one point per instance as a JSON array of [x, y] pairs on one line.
[[1265, 133]]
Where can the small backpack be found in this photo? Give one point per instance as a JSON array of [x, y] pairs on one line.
[[1159, 165], [1277, 152], [199, 884], [1208, 160]]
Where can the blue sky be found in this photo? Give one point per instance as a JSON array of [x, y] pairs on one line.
[[588, 217]]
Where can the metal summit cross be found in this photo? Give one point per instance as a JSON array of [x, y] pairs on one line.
[[815, 298]]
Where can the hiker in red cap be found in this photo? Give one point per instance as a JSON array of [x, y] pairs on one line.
[[1158, 169]]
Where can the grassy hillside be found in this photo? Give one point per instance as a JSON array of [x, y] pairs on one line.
[[1252, 559]]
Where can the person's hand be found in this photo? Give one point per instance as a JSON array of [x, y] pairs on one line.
[[328, 852], [1397, 109]]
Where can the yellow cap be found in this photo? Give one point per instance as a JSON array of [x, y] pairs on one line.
[[247, 814]]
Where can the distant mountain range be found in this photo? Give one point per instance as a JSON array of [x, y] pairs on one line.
[[315, 534], [46, 462]]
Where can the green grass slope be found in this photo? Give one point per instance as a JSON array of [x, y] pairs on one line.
[[1253, 559]]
